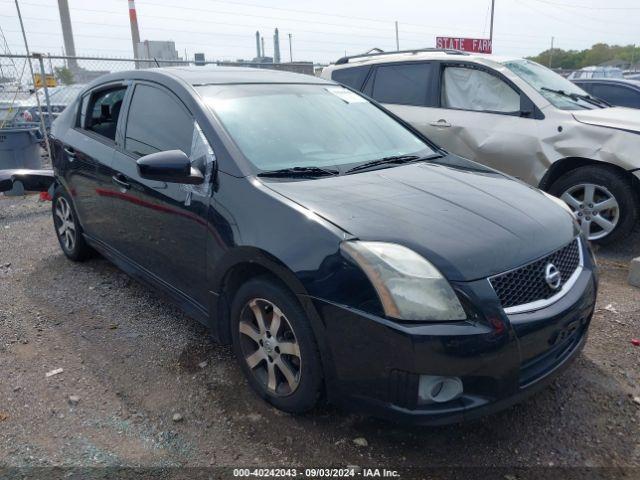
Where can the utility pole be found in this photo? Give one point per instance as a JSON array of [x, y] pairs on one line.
[[67, 34], [493, 4], [551, 53], [290, 50], [397, 38]]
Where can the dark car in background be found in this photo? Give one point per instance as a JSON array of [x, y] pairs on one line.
[[619, 92], [341, 253]]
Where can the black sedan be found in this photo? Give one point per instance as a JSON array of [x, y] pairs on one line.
[[616, 91], [342, 254]]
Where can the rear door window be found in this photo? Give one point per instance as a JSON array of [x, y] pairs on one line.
[[402, 84], [352, 77], [157, 121], [473, 89], [101, 110]]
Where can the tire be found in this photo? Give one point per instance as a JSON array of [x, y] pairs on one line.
[[606, 182], [299, 390], [67, 228]]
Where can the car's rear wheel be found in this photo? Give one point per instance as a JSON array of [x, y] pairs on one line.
[[68, 230], [602, 199], [275, 346]]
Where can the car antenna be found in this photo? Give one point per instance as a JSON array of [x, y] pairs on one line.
[[157, 63]]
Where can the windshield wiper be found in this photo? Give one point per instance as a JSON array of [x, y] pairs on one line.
[[576, 96], [393, 160], [309, 172]]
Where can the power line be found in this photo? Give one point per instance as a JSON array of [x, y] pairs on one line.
[[585, 7], [593, 19], [242, 14], [571, 24]]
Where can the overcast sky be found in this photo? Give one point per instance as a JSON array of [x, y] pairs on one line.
[[322, 30]]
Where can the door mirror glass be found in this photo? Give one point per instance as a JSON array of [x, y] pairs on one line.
[[169, 166]]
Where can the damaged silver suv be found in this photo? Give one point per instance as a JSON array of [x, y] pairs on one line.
[[518, 117]]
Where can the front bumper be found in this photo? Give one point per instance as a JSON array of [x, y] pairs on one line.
[[373, 364]]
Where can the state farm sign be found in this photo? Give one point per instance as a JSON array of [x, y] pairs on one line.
[[476, 45]]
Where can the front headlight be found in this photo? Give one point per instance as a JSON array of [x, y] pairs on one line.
[[409, 286], [561, 203]]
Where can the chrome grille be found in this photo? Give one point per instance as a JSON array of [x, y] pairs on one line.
[[527, 284]]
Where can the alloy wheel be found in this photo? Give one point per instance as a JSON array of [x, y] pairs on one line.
[[269, 347], [65, 224], [595, 207]]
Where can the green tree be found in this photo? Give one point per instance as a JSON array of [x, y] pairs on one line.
[[597, 54], [64, 75]]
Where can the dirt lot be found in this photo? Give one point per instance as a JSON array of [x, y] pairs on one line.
[[133, 361]]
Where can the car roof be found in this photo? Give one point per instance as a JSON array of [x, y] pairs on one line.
[[413, 55], [214, 75]]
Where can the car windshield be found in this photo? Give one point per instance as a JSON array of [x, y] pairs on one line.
[[550, 85], [284, 126]]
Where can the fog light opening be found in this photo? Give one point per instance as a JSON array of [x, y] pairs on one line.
[[434, 389]]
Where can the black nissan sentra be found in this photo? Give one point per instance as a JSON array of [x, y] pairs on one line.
[[344, 255]]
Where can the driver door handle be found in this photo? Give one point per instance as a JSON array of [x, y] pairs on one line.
[[71, 153], [119, 180], [440, 123]]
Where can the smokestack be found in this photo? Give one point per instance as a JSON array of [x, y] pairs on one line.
[[135, 33], [258, 44], [67, 33], [276, 47], [262, 41]]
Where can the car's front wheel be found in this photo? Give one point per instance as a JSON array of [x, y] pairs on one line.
[[602, 199], [68, 230], [275, 346]]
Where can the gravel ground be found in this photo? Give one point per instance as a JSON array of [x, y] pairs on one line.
[[132, 363]]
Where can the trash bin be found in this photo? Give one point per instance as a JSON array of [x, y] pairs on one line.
[[20, 148]]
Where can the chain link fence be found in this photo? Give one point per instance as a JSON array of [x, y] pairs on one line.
[[53, 81], [35, 89]]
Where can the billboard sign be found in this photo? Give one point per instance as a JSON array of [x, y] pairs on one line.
[[475, 45]]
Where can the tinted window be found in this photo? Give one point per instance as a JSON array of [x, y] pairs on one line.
[[100, 111], [404, 84], [617, 95], [352, 77], [473, 89], [157, 121], [587, 87]]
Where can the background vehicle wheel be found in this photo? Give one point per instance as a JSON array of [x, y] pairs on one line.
[[67, 228], [603, 200], [276, 348]]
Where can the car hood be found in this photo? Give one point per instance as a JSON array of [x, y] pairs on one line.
[[469, 221], [615, 117]]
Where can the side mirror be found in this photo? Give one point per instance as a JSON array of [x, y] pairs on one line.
[[171, 166]]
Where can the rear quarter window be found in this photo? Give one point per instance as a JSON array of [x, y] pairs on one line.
[[352, 77]]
